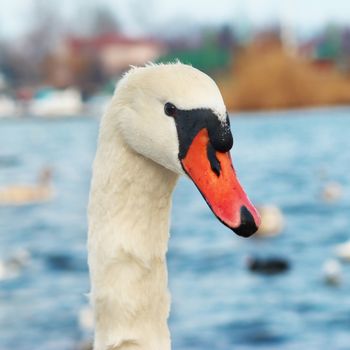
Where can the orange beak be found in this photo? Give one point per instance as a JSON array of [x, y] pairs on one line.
[[214, 175]]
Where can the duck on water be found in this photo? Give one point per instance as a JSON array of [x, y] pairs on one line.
[[20, 194], [163, 121]]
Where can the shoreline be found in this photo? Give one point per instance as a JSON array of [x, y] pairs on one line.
[[233, 113]]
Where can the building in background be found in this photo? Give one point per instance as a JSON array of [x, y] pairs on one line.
[[89, 62]]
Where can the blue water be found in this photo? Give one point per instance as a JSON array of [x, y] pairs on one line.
[[281, 158]]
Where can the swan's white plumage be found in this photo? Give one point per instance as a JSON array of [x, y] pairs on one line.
[[130, 202], [188, 88]]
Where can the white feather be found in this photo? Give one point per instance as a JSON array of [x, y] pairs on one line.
[[134, 174]]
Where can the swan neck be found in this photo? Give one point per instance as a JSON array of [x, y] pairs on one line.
[[129, 209]]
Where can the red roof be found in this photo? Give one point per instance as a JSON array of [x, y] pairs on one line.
[[104, 40]]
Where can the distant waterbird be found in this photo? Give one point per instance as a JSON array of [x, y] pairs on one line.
[[332, 192], [272, 221], [332, 272], [12, 266], [343, 251], [268, 265], [24, 194]]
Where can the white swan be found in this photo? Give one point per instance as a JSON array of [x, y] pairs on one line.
[[163, 121], [343, 251], [332, 192], [272, 221], [332, 272], [28, 194]]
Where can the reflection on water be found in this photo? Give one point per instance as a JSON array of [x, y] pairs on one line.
[[217, 302]]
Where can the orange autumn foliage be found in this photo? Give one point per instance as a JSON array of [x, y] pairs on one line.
[[266, 77]]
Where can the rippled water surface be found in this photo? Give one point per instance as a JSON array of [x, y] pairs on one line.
[[281, 158]]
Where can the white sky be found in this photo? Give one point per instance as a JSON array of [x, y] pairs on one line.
[[138, 16]]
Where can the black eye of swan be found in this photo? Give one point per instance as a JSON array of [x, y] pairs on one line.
[[170, 109]]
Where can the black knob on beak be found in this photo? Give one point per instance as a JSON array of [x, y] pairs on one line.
[[220, 135], [247, 226]]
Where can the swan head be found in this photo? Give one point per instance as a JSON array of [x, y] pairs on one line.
[[175, 115]]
